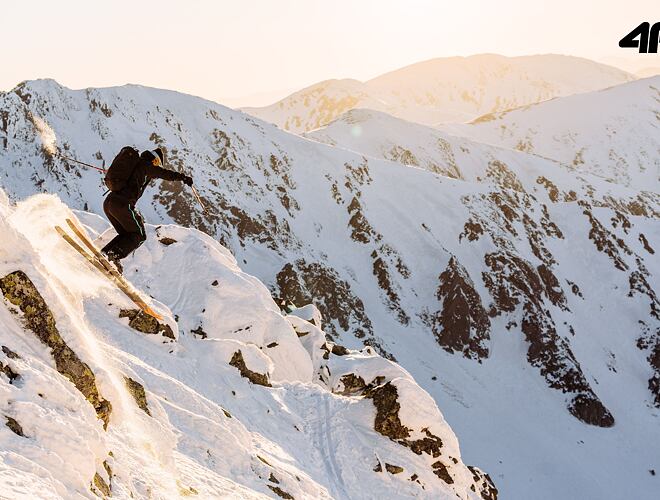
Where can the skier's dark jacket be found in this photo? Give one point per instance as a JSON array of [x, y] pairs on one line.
[[142, 174]]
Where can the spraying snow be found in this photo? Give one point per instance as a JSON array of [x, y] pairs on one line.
[[46, 134]]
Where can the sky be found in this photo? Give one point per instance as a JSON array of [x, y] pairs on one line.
[[252, 52]]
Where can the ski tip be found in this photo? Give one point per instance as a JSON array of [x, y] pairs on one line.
[[153, 314]]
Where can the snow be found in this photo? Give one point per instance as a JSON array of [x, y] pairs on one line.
[[209, 430], [507, 419], [444, 90], [597, 132]]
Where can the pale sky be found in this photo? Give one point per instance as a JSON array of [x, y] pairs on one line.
[[252, 51]]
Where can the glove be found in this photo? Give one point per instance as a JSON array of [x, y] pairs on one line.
[[187, 180]]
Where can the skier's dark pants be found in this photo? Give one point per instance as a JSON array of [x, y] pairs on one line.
[[127, 222]]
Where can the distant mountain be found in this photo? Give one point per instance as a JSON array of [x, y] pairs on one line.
[[520, 294], [454, 89], [613, 133], [647, 72]]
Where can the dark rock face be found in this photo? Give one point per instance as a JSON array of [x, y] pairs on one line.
[[388, 423], [353, 384], [512, 281], [101, 486], [649, 341], [393, 469], [14, 426], [487, 488], [440, 470], [20, 291], [142, 322], [591, 411], [139, 395], [167, 241], [463, 324], [304, 283], [238, 362], [280, 492], [605, 240]]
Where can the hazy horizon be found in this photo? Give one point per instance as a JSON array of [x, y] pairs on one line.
[[257, 52]]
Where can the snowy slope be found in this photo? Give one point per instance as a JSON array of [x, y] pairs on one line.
[[519, 294], [452, 89], [195, 427], [613, 133]]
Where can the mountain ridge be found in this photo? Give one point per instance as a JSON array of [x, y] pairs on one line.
[[454, 89], [386, 252]]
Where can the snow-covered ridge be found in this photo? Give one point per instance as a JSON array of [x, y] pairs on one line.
[[520, 294], [176, 418], [613, 133], [452, 89]]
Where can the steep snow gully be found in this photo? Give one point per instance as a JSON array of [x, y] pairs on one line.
[[99, 401]]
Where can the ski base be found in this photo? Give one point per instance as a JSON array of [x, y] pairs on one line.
[[97, 260]]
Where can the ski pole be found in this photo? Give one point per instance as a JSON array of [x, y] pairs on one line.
[[199, 200], [77, 161]]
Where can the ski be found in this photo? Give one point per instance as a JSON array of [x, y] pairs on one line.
[[107, 269]]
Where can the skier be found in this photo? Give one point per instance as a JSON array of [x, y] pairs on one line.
[[128, 176]]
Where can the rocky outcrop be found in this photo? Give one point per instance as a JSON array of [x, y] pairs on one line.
[[139, 395], [21, 292], [462, 325], [304, 283], [238, 362], [513, 282], [142, 322]]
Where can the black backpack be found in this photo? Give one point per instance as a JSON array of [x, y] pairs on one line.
[[121, 168]]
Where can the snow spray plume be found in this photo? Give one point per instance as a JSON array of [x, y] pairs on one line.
[[46, 134]]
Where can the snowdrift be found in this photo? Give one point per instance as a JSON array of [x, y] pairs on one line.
[[239, 400]]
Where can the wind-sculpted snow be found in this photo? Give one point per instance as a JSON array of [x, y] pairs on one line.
[[452, 89], [519, 293], [191, 416]]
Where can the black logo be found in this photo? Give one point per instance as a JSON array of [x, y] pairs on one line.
[[648, 36]]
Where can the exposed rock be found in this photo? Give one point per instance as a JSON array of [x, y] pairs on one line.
[[388, 423], [199, 331], [167, 241], [20, 291], [463, 324], [101, 486], [645, 242], [14, 426], [487, 488], [339, 350], [280, 492], [513, 281], [353, 384], [472, 230], [238, 362], [649, 341], [315, 283], [142, 322], [605, 240], [9, 372], [553, 192], [590, 410], [9, 353], [273, 479], [440, 470], [393, 469], [137, 391]]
